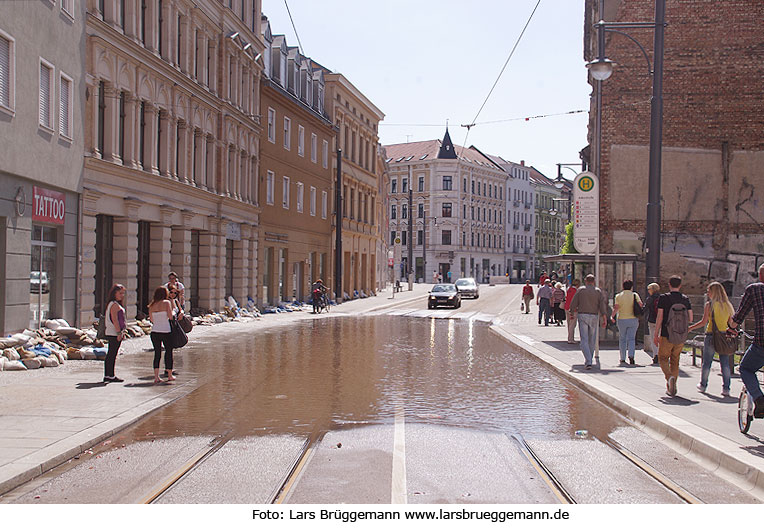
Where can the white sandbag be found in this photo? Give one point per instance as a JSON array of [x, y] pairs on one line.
[[68, 331], [20, 339], [52, 324], [29, 333], [91, 334], [32, 363], [63, 322], [52, 361], [14, 365], [11, 354], [87, 353], [60, 356], [3, 359]]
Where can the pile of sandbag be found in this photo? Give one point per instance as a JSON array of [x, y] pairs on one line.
[[30, 350]]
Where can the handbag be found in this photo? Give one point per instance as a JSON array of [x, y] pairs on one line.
[[723, 344], [186, 323], [638, 309], [178, 337]]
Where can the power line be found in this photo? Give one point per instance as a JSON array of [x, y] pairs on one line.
[[302, 50]]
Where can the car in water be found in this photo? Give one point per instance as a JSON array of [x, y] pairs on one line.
[[38, 282], [468, 287], [444, 295]]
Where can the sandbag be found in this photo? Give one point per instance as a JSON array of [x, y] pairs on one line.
[[32, 363], [52, 324], [73, 353], [3, 359], [25, 354], [68, 331], [60, 356], [14, 365], [11, 354], [48, 362]]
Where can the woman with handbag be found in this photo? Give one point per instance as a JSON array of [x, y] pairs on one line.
[[177, 311], [114, 318], [716, 313], [628, 306], [160, 314]]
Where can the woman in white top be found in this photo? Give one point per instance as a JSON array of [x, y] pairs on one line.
[[115, 330], [160, 314]]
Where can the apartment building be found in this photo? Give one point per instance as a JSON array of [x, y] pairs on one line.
[[295, 227], [457, 212], [171, 150], [356, 121], [549, 208], [42, 97]]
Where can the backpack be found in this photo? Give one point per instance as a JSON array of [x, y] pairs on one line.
[[677, 324]]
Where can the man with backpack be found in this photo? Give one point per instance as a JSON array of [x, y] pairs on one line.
[[673, 320]]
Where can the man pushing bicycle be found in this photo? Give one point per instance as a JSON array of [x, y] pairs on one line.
[[319, 293], [753, 359]]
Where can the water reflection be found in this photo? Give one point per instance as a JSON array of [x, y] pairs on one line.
[[317, 375]]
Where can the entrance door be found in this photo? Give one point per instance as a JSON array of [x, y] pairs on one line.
[[144, 246], [42, 276]]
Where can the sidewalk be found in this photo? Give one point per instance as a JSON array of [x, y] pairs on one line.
[[703, 427], [51, 415]]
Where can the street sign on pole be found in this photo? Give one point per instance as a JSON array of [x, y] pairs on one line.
[[586, 212]]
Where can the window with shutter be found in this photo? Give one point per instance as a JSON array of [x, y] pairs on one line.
[[65, 108], [6, 71], [45, 94]]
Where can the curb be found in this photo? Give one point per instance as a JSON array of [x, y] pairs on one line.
[[711, 451], [45, 459]]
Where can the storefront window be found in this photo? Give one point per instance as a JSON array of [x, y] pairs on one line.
[[42, 277]]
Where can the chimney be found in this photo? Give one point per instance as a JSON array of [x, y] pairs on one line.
[[522, 163]]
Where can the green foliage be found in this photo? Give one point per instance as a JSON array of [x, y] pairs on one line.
[[567, 245]]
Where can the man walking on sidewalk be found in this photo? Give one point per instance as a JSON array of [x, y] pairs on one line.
[[527, 296], [753, 360], [673, 321], [589, 307], [544, 301]]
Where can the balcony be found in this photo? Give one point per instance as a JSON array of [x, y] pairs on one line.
[[528, 205], [516, 203], [527, 228]]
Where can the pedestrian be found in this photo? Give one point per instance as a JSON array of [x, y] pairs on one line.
[[116, 325], [542, 278], [651, 313], [589, 308], [753, 359], [716, 312], [544, 301], [558, 304], [673, 319], [440, 278], [160, 314], [177, 311], [628, 323], [434, 277], [527, 296], [172, 278], [569, 316], [449, 276]]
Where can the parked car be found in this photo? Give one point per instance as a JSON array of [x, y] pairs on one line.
[[38, 281], [468, 287], [444, 295]]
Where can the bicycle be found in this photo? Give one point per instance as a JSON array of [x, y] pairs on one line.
[[745, 405], [321, 303]]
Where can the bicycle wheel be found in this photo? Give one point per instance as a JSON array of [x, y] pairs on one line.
[[744, 413]]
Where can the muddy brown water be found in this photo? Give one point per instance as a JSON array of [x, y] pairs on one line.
[[338, 372]]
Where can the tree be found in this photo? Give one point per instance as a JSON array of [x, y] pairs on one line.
[[567, 246]]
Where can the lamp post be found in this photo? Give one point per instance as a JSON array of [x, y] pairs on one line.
[[601, 69]]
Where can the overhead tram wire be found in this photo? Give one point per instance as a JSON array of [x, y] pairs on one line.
[[302, 50]]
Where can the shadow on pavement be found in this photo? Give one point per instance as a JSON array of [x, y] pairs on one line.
[[678, 401], [91, 385]]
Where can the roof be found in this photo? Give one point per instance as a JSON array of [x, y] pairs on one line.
[[429, 149]]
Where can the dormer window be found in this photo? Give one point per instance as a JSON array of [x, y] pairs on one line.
[[283, 70], [267, 60], [309, 89], [296, 79]]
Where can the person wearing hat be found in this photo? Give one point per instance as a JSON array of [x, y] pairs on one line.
[[318, 292], [544, 301]]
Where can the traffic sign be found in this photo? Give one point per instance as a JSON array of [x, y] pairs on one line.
[[586, 212]]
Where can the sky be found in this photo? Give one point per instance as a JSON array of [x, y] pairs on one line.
[[425, 63]]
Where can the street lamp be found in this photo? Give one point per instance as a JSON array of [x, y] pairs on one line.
[[601, 69]]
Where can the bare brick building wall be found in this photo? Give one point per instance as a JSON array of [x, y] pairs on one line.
[[713, 136]]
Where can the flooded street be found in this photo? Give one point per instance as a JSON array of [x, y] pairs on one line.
[[327, 373]]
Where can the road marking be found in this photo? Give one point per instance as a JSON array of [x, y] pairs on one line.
[[398, 492]]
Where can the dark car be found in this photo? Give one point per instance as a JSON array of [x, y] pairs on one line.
[[444, 295], [468, 287]]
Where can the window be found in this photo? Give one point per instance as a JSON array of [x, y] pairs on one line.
[[269, 182], [419, 237], [7, 71], [420, 211], [392, 237], [447, 184], [404, 185], [301, 140], [404, 211], [287, 133], [313, 147], [394, 186], [285, 192], [271, 125], [445, 238], [326, 154], [393, 211], [46, 94], [312, 200], [324, 204], [67, 6], [446, 210], [404, 235], [421, 183], [65, 106], [300, 193]]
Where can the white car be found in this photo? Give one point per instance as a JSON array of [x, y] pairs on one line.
[[38, 282], [468, 287]]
